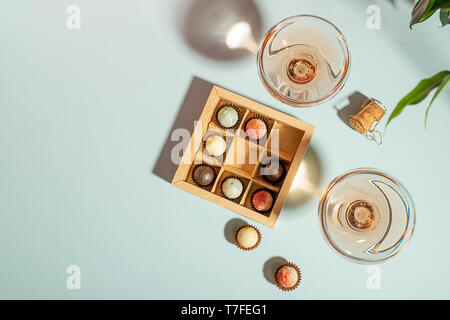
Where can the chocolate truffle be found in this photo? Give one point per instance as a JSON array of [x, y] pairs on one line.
[[215, 145], [287, 277], [273, 171], [204, 175], [227, 117], [232, 188], [247, 237], [256, 129], [262, 200]]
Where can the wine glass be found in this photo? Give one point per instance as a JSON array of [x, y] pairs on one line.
[[303, 60], [366, 215]]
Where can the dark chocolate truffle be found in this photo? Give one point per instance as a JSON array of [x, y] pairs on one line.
[[273, 171], [262, 200], [204, 175]]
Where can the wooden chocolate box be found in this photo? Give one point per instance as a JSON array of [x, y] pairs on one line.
[[287, 139]]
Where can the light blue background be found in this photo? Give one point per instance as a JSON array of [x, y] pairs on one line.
[[83, 116]]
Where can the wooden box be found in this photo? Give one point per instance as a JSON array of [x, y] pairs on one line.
[[243, 156]]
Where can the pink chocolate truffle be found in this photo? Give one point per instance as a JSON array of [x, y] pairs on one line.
[[287, 276], [256, 129], [262, 200]]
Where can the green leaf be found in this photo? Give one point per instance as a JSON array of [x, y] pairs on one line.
[[439, 89], [424, 13], [419, 93], [444, 14], [420, 14]]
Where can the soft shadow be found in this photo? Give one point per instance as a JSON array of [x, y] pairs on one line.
[[231, 228], [418, 45], [207, 23], [307, 181], [348, 106], [271, 266], [189, 112]]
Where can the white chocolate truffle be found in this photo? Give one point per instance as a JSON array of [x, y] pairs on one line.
[[227, 117], [247, 237], [215, 145], [232, 188]]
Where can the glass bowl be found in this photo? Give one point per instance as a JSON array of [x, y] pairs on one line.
[[366, 215], [303, 60]]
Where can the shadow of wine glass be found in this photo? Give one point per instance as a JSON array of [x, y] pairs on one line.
[[207, 23], [271, 266], [306, 184]]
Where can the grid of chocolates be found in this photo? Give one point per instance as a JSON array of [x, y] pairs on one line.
[[224, 159], [235, 160]]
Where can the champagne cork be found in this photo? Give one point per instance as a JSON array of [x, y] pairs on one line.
[[367, 118]]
